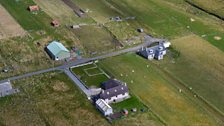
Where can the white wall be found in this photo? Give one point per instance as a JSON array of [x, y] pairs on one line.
[[119, 98]]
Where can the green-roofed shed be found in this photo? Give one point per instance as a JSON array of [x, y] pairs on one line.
[[57, 51]]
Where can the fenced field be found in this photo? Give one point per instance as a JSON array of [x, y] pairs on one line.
[[91, 74]]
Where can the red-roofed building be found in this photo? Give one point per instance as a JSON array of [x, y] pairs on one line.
[[34, 8], [55, 23]]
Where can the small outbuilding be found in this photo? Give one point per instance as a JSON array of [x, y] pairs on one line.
[[33, 8], [125, 111], [57, 51], [140, 30], [6, 89], [104, 108], [55, 23]]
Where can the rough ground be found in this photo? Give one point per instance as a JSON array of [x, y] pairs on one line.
[[9, 27]]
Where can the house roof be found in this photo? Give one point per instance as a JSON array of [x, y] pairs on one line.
[[5, 86], [34, 7], [153, 50], [110, 84], [56, 47], [103, 105], [120, 89], [55, 22]]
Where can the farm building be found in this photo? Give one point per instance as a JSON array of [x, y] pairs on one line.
[[57, 51], [34, 8], [6, 89], [55, 23], [114, 91], [156, 52], [104, 108]]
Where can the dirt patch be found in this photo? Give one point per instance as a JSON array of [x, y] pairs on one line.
[[9, 27], [60, 86]]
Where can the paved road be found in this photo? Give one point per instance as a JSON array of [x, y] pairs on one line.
[[148, 42], [77, 82]]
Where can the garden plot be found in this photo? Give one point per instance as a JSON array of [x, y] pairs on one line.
[[9, 27], [91, 74], [94, 71]]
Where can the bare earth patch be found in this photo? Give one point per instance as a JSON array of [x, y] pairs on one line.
[[60, 86], [8, 26]]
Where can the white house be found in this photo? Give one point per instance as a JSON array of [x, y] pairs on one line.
[[156, 52], [114, 91], [104, 107]]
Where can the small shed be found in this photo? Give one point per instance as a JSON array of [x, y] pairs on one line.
[[125, 111], [55, 23], [57, 51], [141, 30], [166, 44], [6, 89], [33, 8], [75, 26], [104, 108]]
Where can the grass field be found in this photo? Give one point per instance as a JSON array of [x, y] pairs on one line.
[[199, 66], [157, 92], [26, 19], [166, 20], [65, 14], [99, 10], [91, 75], [37, 22], [52, 99], [212, 6], [27, 56], [95, 39], [9, 27]]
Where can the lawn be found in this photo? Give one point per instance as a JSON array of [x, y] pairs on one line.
[[52, 99], [91, 75], [129, 104], [146, 82], [199, 66]]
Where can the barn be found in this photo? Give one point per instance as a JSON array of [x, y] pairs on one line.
[[57, 51]]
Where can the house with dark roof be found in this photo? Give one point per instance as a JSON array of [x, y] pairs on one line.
[[114, 91]]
